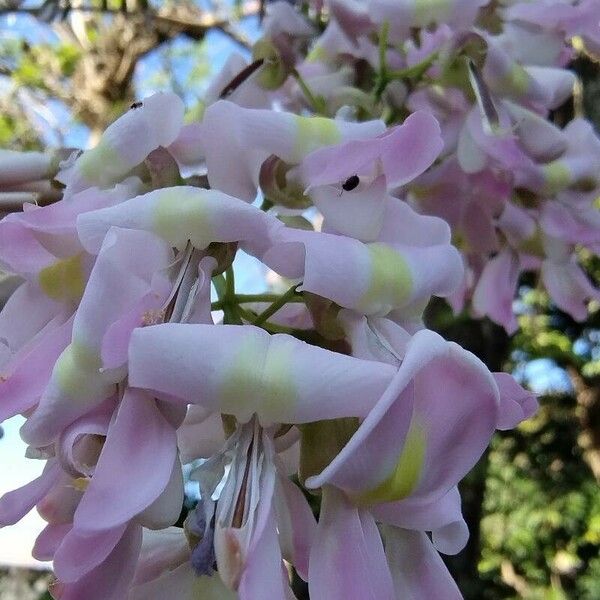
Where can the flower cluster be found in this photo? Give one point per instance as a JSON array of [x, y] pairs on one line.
[[410, 156]]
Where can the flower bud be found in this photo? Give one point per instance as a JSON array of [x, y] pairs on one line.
[[275, 70], [277, 187]]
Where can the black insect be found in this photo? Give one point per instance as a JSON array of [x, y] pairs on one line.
[[137, 105], [350, 183]]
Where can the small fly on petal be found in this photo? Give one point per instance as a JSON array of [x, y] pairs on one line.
[[350, 184]]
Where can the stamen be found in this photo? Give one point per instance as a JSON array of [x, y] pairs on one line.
[[491, 120], [241, 77], [238, 513]]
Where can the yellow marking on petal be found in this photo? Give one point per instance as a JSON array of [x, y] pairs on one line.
[[259, 382], [317, 54], [534, 245], [313, 133], [405, 476], [77, 371], [557, 177], [391, 281], [429, 11], [517, 80], [181, 216], [81, 483], [101, 163], [242, 382], [63, 280], [279, 392]]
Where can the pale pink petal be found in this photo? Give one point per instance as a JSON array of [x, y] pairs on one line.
[[111, 579], [115, 342], [75, 458], [417, 569], [516, 403], [496, 288], [541, 139], [405, 151], [556, 83], [49, 540], [374, 338], [569, 287], [248, 95], [18, 167], [176, 215], [264, 575], [296, 525], [403, 225], [383, 276], [347, 558], [126, 143], [238, 140], [120, 277], [59, 504], [358, 213], [243, 370], [16, 504], [455, 413], [200, 435], [165, 510], [442, 517], [24, 315], [30, 370], [162, 551], [80, 552], [139, 431]]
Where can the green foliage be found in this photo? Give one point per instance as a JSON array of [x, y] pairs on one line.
[[542, 511]]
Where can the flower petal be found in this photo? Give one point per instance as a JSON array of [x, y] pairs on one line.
[[417, 569], [243, 370], [516, 403], [16, 504], [139, 431], [126, 143], [405, 151], [347, 558], [179, 214], [111, 579]]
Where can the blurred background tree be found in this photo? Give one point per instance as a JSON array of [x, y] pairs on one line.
[[65, 61], [69, 68]]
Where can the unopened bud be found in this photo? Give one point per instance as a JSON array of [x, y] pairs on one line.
[[274, 70], [278, 188]]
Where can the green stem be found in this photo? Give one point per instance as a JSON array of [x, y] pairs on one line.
[[246, 298], [266, 204], [220, 284], [383, 44], [315, 101], [250, 316], [230, 308], [382, 79], [229, 284], [279, 303], [414, 72]]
